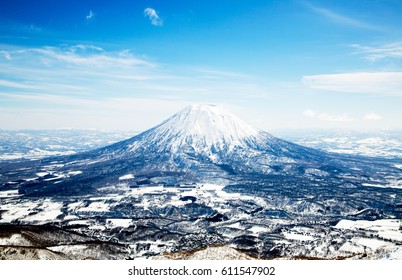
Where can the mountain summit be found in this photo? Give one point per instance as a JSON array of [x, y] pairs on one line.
[[210, 124], [203, 128]]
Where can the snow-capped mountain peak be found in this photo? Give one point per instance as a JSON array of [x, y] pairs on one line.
[[202, 129], [209, 124], [202, 134]]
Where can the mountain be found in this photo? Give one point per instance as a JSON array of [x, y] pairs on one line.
[[201, 178], [201, 143], [208, 135]]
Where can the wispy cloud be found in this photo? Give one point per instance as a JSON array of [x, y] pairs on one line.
[[220, 74], [372, 117], [309, 113], [19, 30], [91, 81], [327, 117], [383, 83], [153, 16], [10, 84], [342, 19], [32, 28], [90, 15], [88, 55], [6, 55], [374, 53], [78, 69]]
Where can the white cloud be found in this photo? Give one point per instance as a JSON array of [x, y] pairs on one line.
[[342, 19], [76, 70], [153, 16], [89, 58], [372, 117], [90, 15], [6, 55], [81, 47], [374, 53], [383, 83], [309, 113], [220, 74], [327, 117], [11, 84]]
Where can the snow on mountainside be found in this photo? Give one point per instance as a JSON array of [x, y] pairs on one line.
[[203, 130], [203, 126], [212, 134]]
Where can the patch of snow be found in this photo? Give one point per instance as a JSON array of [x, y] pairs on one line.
[[74, 205], [72, 173], [123, 223], [395, 183], [388, 229], [298, 236], [391, 235], [177, 202], [257, 229], [317, 172], [358, 212], [351, 247], [11, 193], [18, 211], [372, 243], [31, 179], [95, 207], [236, 226], [70, 217], [97, 227], [109, 197], [376, 225], [57, 176], [49, 211], [79, 222], [373, 185], [126, 177]]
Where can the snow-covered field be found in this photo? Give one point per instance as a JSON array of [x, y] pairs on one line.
[[35, 144], [386, 229], [386, 144]]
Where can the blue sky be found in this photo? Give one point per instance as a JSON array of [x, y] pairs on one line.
[[131, 64]]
